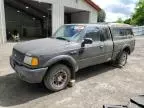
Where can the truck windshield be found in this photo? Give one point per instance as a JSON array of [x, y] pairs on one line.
[[69, 32]]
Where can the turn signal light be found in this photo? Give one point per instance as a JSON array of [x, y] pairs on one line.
[[34, 62]]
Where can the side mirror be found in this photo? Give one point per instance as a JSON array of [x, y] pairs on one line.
[[86, 41]]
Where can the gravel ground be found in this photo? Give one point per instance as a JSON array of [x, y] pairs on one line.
[[96, 85]]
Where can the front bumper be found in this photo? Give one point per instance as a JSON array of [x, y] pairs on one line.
[[27, 74]]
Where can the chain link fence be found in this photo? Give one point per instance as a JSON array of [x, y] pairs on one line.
[[138, 30]]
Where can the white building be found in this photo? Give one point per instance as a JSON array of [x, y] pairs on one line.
[[41, 18]]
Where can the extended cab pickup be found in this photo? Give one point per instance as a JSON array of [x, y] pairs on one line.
[[55, 60]]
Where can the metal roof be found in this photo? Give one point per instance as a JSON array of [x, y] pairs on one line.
[[93, 5]]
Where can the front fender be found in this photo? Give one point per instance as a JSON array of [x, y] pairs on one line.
[[67, 58]]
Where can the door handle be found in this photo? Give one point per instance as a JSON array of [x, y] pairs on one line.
[[73, 52], [101, 46]]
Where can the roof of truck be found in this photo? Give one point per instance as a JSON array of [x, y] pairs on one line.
[[118, 25], [105, 24]]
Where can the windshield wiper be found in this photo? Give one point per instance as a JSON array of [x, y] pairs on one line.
[[62, 38]]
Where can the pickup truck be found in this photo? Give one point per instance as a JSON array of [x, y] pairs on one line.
[[54, 61]]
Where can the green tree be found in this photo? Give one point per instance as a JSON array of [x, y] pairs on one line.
[[101, 16], [138, 16], [119, 20], [127, 21]]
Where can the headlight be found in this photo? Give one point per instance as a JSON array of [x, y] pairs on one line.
[[32, 61]]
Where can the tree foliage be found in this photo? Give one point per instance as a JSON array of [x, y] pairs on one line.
[[101, 16], [119, 20], [138, 16], [127, 21]]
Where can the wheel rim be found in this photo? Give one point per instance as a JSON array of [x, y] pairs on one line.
[[60, 78], [123, 59]]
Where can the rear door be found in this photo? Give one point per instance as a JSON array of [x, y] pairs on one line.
[[108, 43]]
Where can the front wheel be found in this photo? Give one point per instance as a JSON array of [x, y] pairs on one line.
[[57, 78], [122, 59]]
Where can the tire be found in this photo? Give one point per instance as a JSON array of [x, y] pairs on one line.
[[122, 59], [57, 78]]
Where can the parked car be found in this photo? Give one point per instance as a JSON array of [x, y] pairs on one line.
[[54, 61]]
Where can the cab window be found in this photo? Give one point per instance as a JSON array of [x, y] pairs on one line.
[[93, 33], [119, 33], [106, 34], [129, 33]]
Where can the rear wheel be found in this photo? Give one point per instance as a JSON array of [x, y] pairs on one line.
[[57, 78], [122, 59]]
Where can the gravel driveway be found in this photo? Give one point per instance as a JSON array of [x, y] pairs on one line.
[[96, 85]]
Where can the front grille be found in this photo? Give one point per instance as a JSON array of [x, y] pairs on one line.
[[18, 56]]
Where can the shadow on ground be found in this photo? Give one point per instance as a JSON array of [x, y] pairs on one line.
[[15, 92], [93, 71]]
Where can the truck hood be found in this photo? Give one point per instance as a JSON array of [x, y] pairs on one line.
[[44, 46]]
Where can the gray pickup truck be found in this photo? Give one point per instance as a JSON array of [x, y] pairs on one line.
[[54, 61]]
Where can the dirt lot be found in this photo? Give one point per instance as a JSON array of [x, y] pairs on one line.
[[97, 85]]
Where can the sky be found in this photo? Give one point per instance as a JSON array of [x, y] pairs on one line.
[[117, 8]]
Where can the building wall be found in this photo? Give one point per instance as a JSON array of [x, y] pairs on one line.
[[57, 13], [2, 23], [58, 10]]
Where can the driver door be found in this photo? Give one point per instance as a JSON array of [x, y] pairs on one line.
[[92, 53]]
